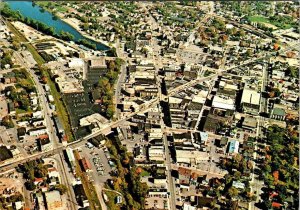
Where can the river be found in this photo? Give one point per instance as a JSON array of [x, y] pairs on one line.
[[27, 9]]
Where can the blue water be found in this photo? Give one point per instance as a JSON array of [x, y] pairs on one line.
[[27, 9]]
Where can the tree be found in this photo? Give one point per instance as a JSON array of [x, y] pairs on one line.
[[7, 122], [61, 188], [6, 59], [30, 185], [233, 192], [237, 175], [66, 36], [112, 65], [16, 45]]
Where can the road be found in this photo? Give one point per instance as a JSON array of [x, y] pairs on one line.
[[118, 87], [49, 124]]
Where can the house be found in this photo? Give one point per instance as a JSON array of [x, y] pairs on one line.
[[37, 114], [238, 185], [18, 205], [276, 205], [21, 131], [38, 181]]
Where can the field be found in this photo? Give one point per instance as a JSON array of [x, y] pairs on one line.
[[270, 23]]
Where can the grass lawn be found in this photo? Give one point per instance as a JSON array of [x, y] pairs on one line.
[[22, 111], [111, 204], [259, 19], [55, 6], [145, 173], [19, 37], [40, 61]]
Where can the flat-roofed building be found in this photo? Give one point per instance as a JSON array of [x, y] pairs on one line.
[[191, 157], [54, 200], [233, 147], [223, 102], [85, 164], [250, 101], [96, 69], [156, 153]]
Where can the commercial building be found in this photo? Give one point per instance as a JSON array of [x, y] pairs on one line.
[[54, 200], [233, 147], [250, 101]]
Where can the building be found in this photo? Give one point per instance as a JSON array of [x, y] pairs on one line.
[[191, 157], [156, 153], [85, 164], [44, 143], [58, 125], [81, 195], [223, 102], [238, 185], [233, 147], [96, 69], [278, 112], [250, 101], [40, 201], [249, 123], [54, 200], [71, 158], [184, 175]]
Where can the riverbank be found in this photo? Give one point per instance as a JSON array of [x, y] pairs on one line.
[[75, 23], [45, 22]]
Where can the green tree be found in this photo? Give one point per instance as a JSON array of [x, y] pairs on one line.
[[30, 185], [66, 36], [61, 188], [233, 192], [7, 122]]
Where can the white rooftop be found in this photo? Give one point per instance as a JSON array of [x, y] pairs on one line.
[[250, 96], [223, 102], [175, 100]]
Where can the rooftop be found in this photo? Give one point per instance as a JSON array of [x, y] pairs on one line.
[[250, 96], [223, 102], [54, 200], [97, 63]]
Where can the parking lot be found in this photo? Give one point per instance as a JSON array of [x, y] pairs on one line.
[[99, 163], [156, 203]]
